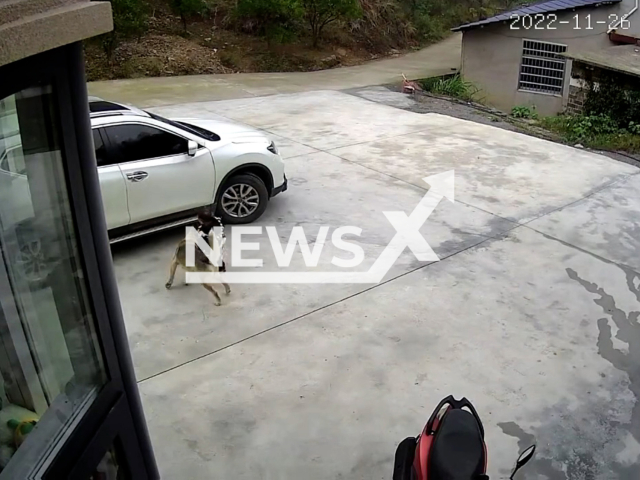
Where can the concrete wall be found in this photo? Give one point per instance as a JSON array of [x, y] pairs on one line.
[[29, 27], [491, 55]]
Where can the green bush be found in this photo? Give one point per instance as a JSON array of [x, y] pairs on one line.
[[189, 8], [275, 19], [595, 131], [320, 13], [578, 128], [129, 20], [453, 86], [522, 111], [634, 128], [433, 19], [609, 98]]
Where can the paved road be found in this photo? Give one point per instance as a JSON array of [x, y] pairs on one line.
[[437, 59]]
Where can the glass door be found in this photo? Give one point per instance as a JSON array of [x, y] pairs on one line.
[[51, 364], [69, 407]]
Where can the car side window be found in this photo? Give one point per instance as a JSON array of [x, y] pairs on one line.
[[101, 150], [138, 142]]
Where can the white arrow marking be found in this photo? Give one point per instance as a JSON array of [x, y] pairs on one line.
[[408, 228]]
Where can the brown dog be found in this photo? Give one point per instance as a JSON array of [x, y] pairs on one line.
[[206, 223]]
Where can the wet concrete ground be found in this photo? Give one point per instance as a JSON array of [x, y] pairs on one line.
[[532, 311]]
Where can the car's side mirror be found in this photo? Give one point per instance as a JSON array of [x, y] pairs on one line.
[[192, 148]]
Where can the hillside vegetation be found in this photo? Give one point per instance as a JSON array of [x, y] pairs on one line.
[[181, 37]]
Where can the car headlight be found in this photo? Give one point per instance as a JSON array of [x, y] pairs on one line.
[[272, 148]]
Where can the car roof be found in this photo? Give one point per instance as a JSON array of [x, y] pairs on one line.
[[106, 108], [118, 117]]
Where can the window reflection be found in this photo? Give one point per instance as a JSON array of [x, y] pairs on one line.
[[109, 468], [50, 363]]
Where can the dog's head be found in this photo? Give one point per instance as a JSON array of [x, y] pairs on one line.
[[206, 222], [213, 228]]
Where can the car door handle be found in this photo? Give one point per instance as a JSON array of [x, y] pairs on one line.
[[137, 176]]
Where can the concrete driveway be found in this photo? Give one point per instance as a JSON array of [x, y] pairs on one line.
[[532, 311]]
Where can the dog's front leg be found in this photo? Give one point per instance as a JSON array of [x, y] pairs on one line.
[[172, 273], [217, 301], [223, 269]]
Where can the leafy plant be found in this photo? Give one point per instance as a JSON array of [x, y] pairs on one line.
[[274, 18], [189, 8], [581, 127], [320, 13], [522, 111], [129, 19], [634, 127], [595, 131], [454, 86], [610, 96]]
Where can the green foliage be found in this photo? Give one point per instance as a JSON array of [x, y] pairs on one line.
[[634, 128], [578, 128], [129, 20], [522, 111], [621, 141], [433, 19], [595, 131], [320, 13], [189, 8], [609, 97], [453, 86], [611, 118], [275, 19], [382, 25]]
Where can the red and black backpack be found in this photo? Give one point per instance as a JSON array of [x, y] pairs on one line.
[[451, 446]]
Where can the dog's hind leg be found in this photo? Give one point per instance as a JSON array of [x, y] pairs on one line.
[[172, 273], [217, 301]]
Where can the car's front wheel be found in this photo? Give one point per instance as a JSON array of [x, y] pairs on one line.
[[243, 199]]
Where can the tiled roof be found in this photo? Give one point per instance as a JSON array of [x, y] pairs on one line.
[[543, 7]]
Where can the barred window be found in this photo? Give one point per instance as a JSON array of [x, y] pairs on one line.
[[542, 67]]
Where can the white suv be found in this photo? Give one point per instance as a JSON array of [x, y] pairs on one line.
[[154, 174], [157, 173]]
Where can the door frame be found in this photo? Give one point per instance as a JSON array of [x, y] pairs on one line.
[[117, 409]]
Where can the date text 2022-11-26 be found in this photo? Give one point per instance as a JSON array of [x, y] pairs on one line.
[[550, 21]]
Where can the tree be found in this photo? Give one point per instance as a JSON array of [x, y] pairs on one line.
[[129, 19], [320, 13], [188, 8], [273, 17]]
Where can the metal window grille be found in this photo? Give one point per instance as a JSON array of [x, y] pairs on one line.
[[542, 67]]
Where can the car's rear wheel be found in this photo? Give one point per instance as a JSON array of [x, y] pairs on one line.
[[243, 199]]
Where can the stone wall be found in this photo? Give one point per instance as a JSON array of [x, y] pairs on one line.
[[575, 102]]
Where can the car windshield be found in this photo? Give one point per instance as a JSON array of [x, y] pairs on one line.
[[200, 132]]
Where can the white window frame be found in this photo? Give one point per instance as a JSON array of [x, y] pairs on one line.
[[546, 59]]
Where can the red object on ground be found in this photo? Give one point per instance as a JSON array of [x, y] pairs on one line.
[[409, 86]]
